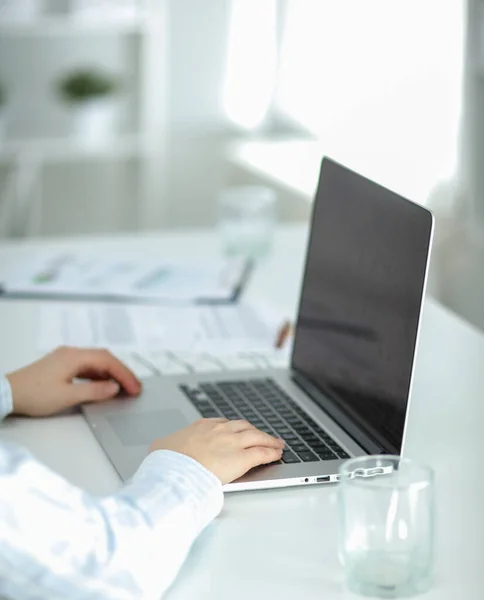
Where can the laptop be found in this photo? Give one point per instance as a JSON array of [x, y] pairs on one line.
[[346, 392]]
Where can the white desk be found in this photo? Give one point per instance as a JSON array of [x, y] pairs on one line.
[[282, 544]]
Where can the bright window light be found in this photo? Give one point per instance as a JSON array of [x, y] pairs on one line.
[[251, 62], [378, 82]]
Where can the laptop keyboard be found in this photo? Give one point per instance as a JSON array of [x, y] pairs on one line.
[[163, 362], [264, 404]]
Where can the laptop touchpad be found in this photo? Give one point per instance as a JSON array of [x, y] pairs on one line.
[[143, 428]]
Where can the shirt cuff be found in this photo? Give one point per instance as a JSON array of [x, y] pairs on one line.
[[6, 400], [201, 488]]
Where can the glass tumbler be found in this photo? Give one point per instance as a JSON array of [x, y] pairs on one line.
[[386, 506], [246, 220]]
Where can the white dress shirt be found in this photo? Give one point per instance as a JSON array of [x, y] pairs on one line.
[[58, 542]]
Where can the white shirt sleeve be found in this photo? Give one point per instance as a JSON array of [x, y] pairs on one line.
[[58, 542], [6, 402]]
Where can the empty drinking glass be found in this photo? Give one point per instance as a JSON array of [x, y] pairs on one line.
[[246, 220], [387, 526]]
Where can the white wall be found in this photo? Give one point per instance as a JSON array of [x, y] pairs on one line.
[[472, 151], [198, 127], [459, 240], [97, 196]]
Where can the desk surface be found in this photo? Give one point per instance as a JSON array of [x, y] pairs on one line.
[[282, 543]]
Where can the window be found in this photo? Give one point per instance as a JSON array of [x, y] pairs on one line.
[[377, 81], [251, 62]]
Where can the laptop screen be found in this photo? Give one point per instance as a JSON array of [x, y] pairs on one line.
[[361, 299]]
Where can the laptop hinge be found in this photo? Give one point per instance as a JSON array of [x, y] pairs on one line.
[[355, 430]]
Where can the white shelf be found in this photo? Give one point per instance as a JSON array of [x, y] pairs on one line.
[[62, 25], [29, 155], [70, 149]]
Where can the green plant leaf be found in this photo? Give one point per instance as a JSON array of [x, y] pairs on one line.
[[87, 84]]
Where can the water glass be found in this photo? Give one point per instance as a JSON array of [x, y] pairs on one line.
[[386, 508], [246, 220]]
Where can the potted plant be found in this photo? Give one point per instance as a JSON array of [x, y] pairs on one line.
[[92, 97]]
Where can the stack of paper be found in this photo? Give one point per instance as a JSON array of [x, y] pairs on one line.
[[89, 276], [219, 329]]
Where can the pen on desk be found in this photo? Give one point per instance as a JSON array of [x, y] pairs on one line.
[[282, 335], [244, 278]]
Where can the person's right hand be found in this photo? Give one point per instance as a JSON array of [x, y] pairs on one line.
[[226, 448]]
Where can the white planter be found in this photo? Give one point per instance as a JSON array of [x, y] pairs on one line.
[[96, 122], [98, 8], [20, 10]]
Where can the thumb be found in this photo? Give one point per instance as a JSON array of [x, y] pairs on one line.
[[93, 391]]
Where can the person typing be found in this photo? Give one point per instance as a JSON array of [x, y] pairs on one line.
[[57, 541]]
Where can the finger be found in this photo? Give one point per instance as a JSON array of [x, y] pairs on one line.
[[253, 457], [93, 375], [104, 363], [254, 437], [92, 391], [240, 425]]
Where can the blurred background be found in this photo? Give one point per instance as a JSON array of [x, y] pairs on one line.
[[129, 115]]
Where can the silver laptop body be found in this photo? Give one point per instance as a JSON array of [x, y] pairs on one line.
[[352, 364]]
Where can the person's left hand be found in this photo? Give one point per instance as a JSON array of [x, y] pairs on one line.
[[47, 386]]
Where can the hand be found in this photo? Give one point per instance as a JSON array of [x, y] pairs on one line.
[[226, 448], [47, 387]]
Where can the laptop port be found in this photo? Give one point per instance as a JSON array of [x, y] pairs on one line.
[[323, 479]]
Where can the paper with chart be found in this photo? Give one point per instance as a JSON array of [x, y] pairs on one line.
[[89, 276], [131, 327]]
